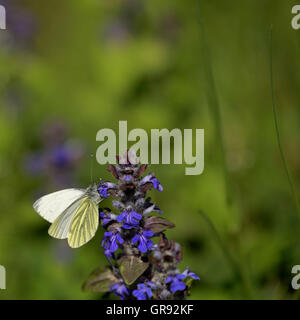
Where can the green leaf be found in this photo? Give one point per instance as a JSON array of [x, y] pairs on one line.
[[100, 280], [131, 267], [158, 224]]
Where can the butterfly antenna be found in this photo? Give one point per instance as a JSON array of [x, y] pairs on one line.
[[92, 167]]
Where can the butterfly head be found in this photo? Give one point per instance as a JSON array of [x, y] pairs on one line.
[[92, 192]]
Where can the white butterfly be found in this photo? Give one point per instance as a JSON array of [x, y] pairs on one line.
[[73, 214]]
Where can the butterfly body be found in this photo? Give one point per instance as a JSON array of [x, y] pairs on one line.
[[73, 214]]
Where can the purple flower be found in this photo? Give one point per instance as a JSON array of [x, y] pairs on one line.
[[129, 226], [119, 289], [130, 216], [106, 218], [188, 273], [54, 159], [61, 157], [157, 184], [118, 205], [150, 207], [145, 244], [146, 179], [111, 240], [144, 290], [109, 255], [176, 283], [140, 202], [151, 178], [128, 178], [104, 187]]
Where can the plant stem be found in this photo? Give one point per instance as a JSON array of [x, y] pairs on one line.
[[286, 168], [237, 268], [213, 102]]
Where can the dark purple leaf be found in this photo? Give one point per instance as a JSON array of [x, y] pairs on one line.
[[158, 224], [132, 267], [100, 280]]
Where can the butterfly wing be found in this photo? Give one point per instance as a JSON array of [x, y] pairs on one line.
[[60, 227], [84, 223], [54, 204], [73, 214]]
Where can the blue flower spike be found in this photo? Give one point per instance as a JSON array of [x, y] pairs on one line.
[[149, 271]]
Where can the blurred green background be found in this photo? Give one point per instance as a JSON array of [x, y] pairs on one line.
[[72, 67]]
